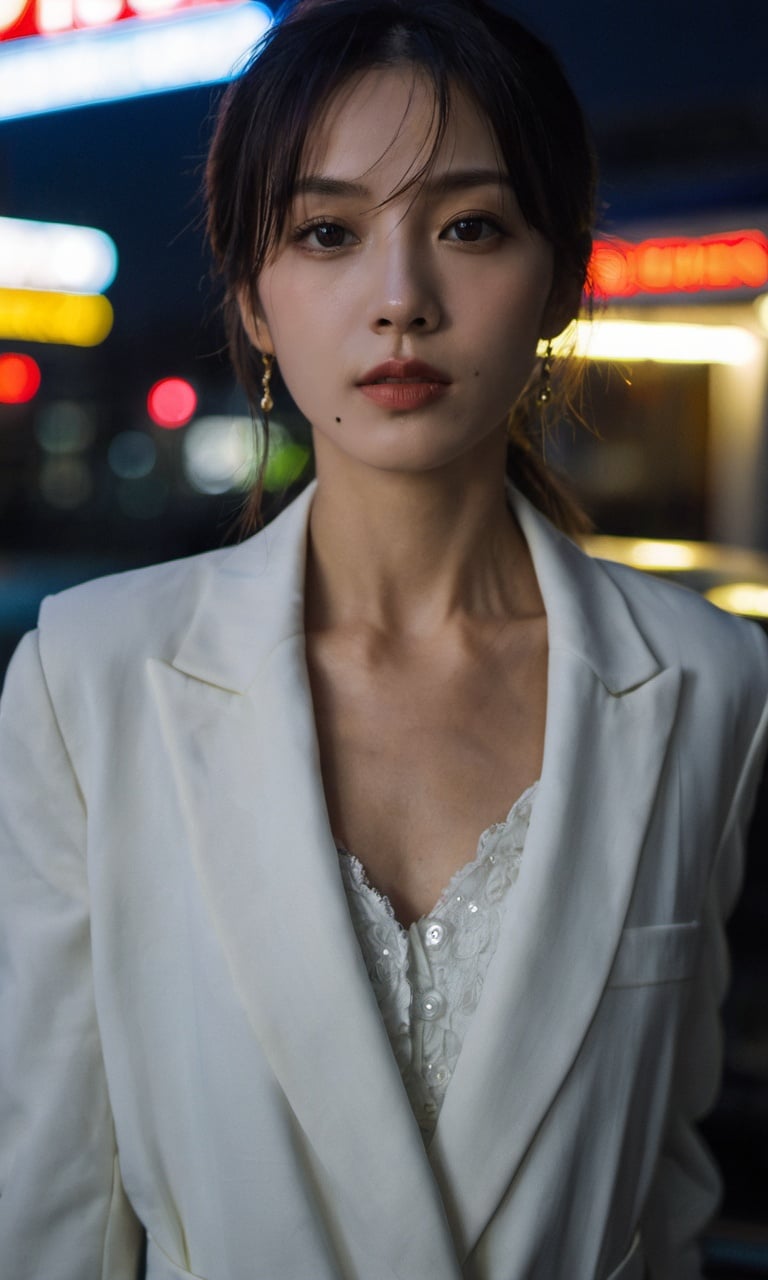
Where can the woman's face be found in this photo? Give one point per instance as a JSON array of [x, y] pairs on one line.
[[405, 328]]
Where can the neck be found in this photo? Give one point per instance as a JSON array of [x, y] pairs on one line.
[[409, 553]]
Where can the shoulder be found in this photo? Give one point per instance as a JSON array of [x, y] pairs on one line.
[[101, 639], [684, 629], [720, 732], [626, 622], [722, 658], [145, 608]]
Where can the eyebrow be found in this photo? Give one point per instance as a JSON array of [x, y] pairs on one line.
[[318, 184]]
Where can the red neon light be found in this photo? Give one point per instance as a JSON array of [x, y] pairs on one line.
[[171, 402], [20, 18], [735, 260], [19, 378]]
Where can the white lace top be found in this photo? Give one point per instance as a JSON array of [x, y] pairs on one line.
[[428, 979]]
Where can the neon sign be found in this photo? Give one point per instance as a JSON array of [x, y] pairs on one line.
[[20, 18], [72, 319], [55, 256], [733, 260], [189, 44]]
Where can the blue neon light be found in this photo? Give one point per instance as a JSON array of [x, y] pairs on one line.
[[130, 59]]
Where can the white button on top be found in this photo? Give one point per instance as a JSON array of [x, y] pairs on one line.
[[434, 934], [430, 1005]]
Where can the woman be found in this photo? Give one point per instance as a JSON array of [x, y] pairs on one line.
[[261, 1004]]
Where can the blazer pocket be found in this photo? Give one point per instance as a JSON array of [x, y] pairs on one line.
[[633, 1266], [655, 953], [160, 1267]]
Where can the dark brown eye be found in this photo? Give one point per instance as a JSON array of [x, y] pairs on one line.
[[472, 230], [469, 229], [329, 235]]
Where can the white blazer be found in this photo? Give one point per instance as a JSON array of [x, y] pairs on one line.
[[190, 1043]]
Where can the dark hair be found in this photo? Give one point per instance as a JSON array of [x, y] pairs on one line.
[[268, 111]]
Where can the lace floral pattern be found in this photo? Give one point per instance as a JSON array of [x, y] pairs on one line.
[[427, 979]]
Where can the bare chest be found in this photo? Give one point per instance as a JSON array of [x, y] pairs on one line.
[[419, 756]]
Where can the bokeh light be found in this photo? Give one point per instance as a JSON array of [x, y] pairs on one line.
[[747, 598], [55, 256], [19, 378], [119, 59], [220, 455], [39, 315], [66, 482], [285, 464], [171, 403], [132, 455], [64, 426], [655, 554], [675, 343]]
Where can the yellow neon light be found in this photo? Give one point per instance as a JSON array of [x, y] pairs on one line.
[[75, 320], [748, 598], [652, 340], [652, 555]]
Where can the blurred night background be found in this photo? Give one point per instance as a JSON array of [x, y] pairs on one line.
[[98, 474]]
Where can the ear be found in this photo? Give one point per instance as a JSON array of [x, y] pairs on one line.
[[254, 322]]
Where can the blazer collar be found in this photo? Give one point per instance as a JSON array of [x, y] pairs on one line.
[[587, 614], [253, 598]]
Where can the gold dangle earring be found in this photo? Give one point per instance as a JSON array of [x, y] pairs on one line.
[[267, 403], [544, 394]]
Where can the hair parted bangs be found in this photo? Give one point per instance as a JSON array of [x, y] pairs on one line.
[[316, 48]]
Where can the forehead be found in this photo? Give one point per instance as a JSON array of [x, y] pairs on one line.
[[384, 125]]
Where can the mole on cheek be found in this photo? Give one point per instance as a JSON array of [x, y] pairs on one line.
[[477, 373], [338, 419]]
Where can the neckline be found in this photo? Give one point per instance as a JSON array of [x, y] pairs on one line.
[[362, 880]]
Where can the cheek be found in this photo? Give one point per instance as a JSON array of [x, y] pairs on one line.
[[291, 329], [507, 331], [303, 349]]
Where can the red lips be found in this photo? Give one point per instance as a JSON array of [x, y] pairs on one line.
[[415, 371], [403, 385]]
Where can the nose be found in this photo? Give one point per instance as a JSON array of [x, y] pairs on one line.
[[406, 295]]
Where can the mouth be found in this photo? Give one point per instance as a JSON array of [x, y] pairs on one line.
[[404, 373], [404, 385]]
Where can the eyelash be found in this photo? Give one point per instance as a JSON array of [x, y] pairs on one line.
[[302, 233], [495, 226]]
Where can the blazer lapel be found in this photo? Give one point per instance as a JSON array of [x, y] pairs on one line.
[[610, 711], [242, 735]]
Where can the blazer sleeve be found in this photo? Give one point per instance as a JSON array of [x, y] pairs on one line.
[[686, 1189], [63, 1212]]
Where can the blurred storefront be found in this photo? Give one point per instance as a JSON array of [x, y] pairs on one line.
[[677, 383]]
